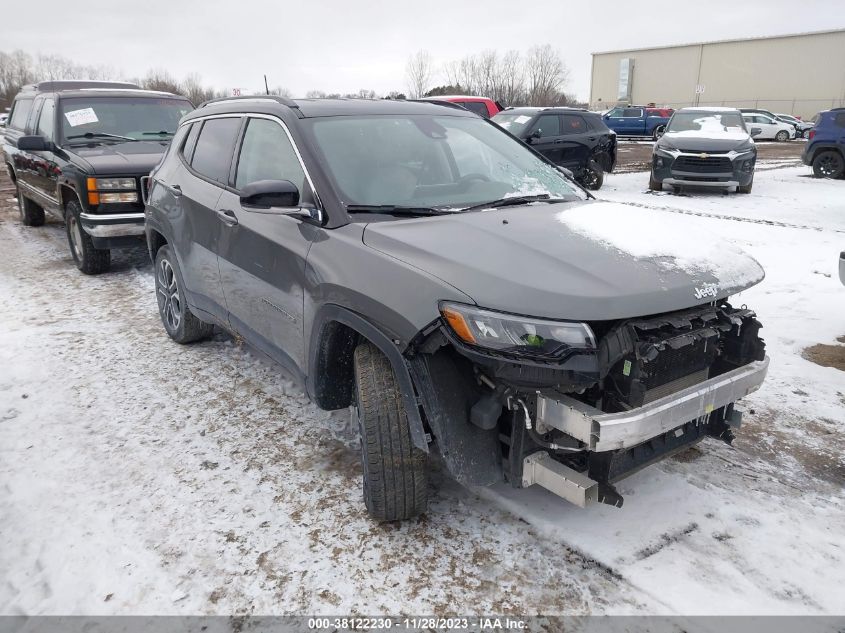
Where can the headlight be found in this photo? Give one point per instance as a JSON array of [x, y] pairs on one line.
[[514, 334], [107, 198], [107, 184]]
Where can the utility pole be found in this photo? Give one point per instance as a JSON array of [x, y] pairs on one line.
[[266, 87]]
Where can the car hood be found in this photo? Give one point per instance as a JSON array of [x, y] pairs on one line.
[[130, 158], [582, 260], [703, 141]]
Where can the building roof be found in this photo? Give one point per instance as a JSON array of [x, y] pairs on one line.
[[728, 41]]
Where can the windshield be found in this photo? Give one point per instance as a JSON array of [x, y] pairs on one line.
[[121, 118], [430, 161], [513, 122], [715, 122]]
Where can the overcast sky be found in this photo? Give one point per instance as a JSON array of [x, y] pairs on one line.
[[344, 45]]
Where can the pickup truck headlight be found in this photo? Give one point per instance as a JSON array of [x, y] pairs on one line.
[[510, 333], [108, 190]]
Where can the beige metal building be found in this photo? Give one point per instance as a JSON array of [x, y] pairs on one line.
[[797, 74]]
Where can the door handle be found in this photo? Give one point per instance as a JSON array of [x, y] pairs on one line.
[[591, 138], [227, 216]]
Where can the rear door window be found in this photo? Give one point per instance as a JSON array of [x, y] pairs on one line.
[[572, 124], [839, 119], [632, 113], [20, 113], [215, 145]]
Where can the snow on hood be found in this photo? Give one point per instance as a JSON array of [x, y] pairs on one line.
[[674, 245], [720, 133]]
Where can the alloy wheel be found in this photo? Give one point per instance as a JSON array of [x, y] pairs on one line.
[[828, 166], [169, 300]]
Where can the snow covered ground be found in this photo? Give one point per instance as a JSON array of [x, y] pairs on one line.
[[138, 476]]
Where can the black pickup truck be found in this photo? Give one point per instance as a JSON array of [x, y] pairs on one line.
[[81, 151]]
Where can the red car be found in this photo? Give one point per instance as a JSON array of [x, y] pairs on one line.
[[482, 106]]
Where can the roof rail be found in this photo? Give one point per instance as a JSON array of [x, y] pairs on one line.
[[77, 84], [285, 101]]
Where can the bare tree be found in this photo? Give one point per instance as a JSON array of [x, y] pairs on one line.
[[159, 79], [315, 94], [546, 74], [279, 91], [418, 73]]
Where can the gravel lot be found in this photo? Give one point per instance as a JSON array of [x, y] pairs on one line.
[[142, 477]]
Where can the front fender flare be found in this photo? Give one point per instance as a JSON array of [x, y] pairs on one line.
[[332, 312]]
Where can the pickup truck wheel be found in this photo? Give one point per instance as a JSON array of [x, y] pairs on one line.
[[828, 164], [395, 473], [90, 260], [179, 322], [782, 136], [654, 185], [31, 213], [658, 132], [593, 177]]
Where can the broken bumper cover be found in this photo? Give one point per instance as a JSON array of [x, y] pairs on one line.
[[113, 225], [601, 431]]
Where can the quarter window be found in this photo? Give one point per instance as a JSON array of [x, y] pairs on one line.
[[474, 106], [47, 119], [20, 113], [191, 142], [267, 154], [839, 119], [213, 154]]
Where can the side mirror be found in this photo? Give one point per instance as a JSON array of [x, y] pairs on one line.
[[34, 143], [536, 134], [756, 131], [265, 194]]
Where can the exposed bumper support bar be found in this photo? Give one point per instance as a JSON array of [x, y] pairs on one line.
[[611, 431], [540, 468]]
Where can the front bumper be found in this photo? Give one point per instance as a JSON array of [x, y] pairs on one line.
[[691, 169], [601, 431], [113, 225]]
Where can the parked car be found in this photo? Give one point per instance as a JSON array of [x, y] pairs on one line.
[[418, 262], [842, 267], [81, 151], [825, 149], [3, 118], [638, 121], [705, 147], [569, 137], [802, 128], [770, 127], [482, 106]]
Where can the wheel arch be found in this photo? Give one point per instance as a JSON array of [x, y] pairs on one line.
[[825, 147], [155, 240], [330, 381]]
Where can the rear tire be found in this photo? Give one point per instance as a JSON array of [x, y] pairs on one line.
[[782, 136], [395, 472], [179, 322], [593, 176], [654, 185], [88, 259], [31, 213], [828, 164]]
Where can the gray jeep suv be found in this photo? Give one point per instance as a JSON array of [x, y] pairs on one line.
[[417, 262]]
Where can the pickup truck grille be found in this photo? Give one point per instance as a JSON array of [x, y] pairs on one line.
[[698, 165]]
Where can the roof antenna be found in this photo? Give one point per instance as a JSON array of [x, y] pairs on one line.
[[266, 88]]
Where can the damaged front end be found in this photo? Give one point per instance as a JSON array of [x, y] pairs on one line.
[[577, 407]]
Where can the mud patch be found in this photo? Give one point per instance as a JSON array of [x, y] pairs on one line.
[[827, 355], [666, 540]]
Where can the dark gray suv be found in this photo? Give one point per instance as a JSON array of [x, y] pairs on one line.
[[417, 262]]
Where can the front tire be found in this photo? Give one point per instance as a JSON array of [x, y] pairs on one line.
[[782, 136], [654, 185], [593, 177], [745, 188], [179, 322], [88, 259], [658, 132], [31, 213], [828, 164], [395, 472]]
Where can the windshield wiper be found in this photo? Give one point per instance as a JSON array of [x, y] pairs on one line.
[[160, 133], [512, 201], [395, 209], [101, 135]]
